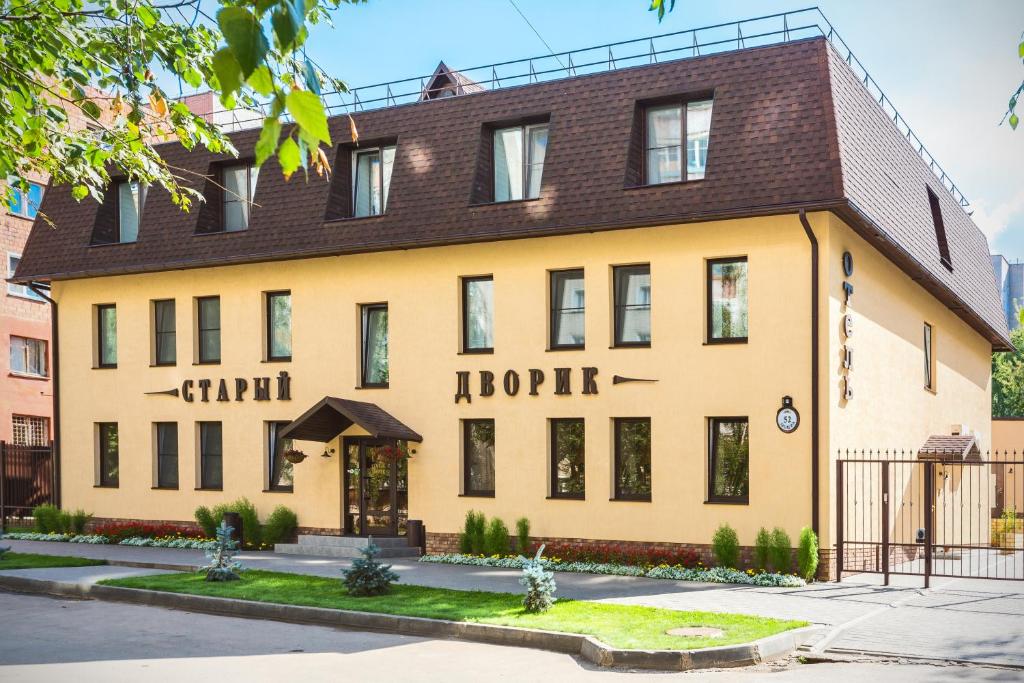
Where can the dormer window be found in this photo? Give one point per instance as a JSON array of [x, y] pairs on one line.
[[371, 180], [667, 126], [519, 161], [239, 189], [130, 197], [940, 230]]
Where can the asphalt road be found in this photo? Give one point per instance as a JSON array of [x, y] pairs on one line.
[[50, 639]]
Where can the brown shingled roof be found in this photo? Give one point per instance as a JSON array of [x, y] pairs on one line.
[[791, 130], [949, 447]]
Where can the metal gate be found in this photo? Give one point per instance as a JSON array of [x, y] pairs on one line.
[[28, 477], [938, 517]]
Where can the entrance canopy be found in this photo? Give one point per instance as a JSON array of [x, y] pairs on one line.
[[951, 447], [331, 416]]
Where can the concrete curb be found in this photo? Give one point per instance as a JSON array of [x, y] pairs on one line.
[[746, 654]]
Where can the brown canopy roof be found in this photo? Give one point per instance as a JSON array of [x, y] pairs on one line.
[[331, 416], [792, 128], [949, 447]]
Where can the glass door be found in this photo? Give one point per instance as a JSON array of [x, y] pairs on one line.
[[375, 488]]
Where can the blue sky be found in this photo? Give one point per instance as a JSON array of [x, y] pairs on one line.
[[949, 67]]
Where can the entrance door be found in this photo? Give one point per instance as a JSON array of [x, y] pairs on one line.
[[376, 488]]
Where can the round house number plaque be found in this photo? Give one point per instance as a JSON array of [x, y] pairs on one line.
[[788, 419]]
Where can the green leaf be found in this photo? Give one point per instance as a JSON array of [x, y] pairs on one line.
[[267, 143], [91, 109], [228, 71], [288, 156], [1020, 50], [1014, 121], [244, 36], [287, 22], [261, 81], [79, 192], [147, 15], [312, 81], [308, 111]]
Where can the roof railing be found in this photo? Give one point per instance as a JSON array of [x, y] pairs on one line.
[[770, 29]]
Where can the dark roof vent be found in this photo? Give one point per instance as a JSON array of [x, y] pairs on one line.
[[940, 229]]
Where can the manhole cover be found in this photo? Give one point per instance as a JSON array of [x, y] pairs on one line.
[[696, 631]]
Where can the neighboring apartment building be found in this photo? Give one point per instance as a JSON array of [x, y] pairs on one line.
[[26, 389], [624, 305], [1010, 283]]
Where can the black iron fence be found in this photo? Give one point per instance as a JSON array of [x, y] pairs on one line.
[[945, 514], [28, 477]]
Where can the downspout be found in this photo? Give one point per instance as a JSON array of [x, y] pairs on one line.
[[815, 427], [55, 364]]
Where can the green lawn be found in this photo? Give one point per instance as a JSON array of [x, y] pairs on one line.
[[621, 626], [11, 560]]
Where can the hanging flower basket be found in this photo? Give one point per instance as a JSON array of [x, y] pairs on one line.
[[294, 457], [397, 452]]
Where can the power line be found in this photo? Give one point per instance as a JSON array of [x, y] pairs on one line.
[[536, 32]]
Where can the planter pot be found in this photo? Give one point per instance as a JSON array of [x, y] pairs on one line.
[[294, 457]]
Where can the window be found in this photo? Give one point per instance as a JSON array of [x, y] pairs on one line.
[[278, 467], [518, 167], [208, 315], [15, 289], [666, 128], [929, 359], [25, 203], [375, 345], [478, 457], [167, 455], [940, 229], [106, 433], [28, 356], [632, 305], [478, 314], [164, 335], [567, 458], [727, 300], [567, 309], [130, 197], [632, 458], [239, 189], [279, 326], [28, 430], [211, 456], [371, 180], [729, 453], [106, 336]]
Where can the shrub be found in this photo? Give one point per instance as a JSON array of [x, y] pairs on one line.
[[367, 576], [496, 542], [620, 553], [47, 519], [726, 546], [206, 520], [79, 518], [280, 525], [473, 537], [807, 554], [540, 585], [466, 537], [762, 549], [522, 535], [780, 554], [221, 563]]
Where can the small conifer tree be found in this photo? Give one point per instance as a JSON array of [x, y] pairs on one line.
[[540, 584], [222, 565], [367, 576]]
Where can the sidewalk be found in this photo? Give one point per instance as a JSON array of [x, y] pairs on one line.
[[965, 620]]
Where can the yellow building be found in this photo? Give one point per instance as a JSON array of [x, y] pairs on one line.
[[628, 306]]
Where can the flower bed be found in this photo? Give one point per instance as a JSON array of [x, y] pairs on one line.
[[662, 571], [97, 539], [119, 531]]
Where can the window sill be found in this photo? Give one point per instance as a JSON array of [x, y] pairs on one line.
[[206, 362], [106, 486], [104, 367], [163, 488], [476, 352], [163, 365], [581, 347], [505, 202], [282, 490], [343, 219], [282, 359], [648, 186], [361, 387], [564, 498], [932, 390], [25, 375], [635, 499], [26, 297], [100, 245], [727, 501], [477, 495], [219, 232], [638, 345], [207, 488], [726, 341]]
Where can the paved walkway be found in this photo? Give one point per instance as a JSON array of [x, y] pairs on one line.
[[964, 619]]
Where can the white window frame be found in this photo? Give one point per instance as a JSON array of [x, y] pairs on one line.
[[24, 429], [24, 199], [527, 160], [385, 190], [13, 289], [44, 357]]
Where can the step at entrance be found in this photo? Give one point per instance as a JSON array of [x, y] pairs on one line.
[[347, 546]]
